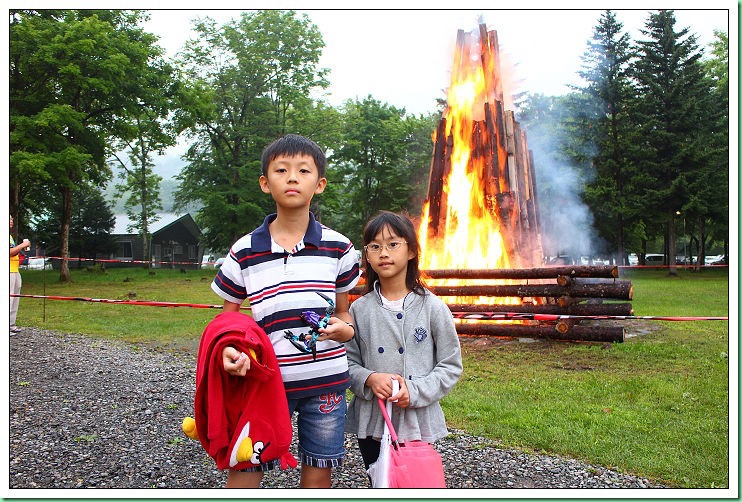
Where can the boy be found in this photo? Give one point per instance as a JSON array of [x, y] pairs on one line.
[[279, 268]]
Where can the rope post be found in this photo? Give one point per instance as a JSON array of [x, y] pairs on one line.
[[43, 274]]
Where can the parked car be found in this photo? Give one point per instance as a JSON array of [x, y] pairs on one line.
[[562, 259], [218, 263], [654, 259], [37, 264]]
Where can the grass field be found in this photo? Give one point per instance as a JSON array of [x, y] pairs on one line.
[[656, 405]]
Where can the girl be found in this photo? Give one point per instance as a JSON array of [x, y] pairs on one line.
[[403, 332]]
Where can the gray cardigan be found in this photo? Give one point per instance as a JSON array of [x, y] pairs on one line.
[[419, 343]]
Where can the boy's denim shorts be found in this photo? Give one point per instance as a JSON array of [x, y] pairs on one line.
[[320, 423]]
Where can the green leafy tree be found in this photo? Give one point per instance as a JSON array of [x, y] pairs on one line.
[[73, 74], [141, 133], [707, 211], [673, 94], [371, 165], [240, 82]]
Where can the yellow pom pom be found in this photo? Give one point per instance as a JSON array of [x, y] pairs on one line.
[[245, 451], [189, 427]]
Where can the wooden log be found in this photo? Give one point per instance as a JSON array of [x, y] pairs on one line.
[[592, 271], [617, 289], [501, 146], [565, 325], [490, 174], [495, 52], [509, 119], [575, 333], [564, 280], [582, 309], [567, 301], [435, 183]]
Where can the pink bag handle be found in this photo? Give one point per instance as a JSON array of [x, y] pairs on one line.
[[388, 420]]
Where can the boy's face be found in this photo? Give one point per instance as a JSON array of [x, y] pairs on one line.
[[292, 181]]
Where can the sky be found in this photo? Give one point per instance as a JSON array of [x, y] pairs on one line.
[[403, 57]]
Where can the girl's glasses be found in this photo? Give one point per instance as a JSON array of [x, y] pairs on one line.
[[374, 248]]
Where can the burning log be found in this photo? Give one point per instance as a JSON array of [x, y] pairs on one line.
[[437, 175]]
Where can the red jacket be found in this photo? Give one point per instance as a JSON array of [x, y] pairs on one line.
[[232, 412]]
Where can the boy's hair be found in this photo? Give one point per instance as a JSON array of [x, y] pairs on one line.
[[292, 145], [402, 226]]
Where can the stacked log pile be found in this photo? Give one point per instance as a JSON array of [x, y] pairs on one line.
[[561, 291]]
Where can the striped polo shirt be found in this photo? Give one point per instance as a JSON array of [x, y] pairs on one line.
[[279, 285]]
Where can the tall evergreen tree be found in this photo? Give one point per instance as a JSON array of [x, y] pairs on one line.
[[673, 99], [607, 123], [90, 227]]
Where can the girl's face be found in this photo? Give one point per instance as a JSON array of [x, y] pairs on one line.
[[388, 254]]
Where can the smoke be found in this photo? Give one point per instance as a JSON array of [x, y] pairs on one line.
[[566, 221]]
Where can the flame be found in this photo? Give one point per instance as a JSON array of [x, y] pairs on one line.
[[473, 233]]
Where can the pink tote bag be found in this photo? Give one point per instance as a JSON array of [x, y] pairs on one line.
[[413, 464]]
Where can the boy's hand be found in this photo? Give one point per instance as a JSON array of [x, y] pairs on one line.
[[381, 385], [337, 330], [235, 362]]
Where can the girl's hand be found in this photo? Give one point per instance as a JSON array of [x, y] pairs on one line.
[[381, 385], [235, 362], [337, 330]]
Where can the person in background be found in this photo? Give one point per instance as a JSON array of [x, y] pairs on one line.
[[15, 277], [280, 268], [403, 333]]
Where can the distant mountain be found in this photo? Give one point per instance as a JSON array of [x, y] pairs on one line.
[[168, 167]]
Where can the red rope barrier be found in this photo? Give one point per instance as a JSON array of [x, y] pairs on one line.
[[126, 302], [110, 260], [482, 316], [524, 316]]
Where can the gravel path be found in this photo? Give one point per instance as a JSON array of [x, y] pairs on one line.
[[87, 413]]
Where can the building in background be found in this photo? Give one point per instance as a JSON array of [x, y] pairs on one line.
[[174, 243]]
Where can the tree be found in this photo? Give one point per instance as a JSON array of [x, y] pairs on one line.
[[73, 74], [142, 132], [239, 85], [707, 210], [370, 166], [607, 124], [90, 227], [673, 94], [563, 164]]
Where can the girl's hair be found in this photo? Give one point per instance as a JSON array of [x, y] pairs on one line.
[[403, 227], [292, 145]]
